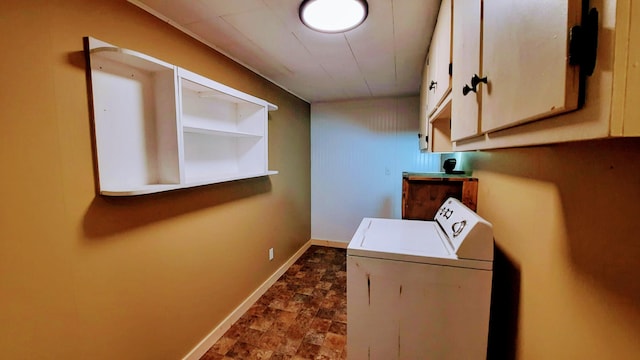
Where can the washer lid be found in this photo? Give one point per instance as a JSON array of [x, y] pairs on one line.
[[410, 237], [407, 240]]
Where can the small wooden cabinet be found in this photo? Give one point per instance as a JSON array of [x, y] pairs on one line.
[[423, 194]]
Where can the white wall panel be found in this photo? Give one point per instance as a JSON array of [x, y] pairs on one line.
[[359, 150]]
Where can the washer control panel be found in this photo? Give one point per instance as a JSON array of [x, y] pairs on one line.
[[461, 224]]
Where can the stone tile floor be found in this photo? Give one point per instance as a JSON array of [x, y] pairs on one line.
[[302, 316]]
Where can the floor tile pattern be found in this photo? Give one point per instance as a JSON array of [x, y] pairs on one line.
[[302, 316]]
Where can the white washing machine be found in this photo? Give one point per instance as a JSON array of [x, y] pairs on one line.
[[420, 289]]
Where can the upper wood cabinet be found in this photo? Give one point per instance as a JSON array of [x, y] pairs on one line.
[[423, 135], [525, 58], [436, 85], [528, 76], [511, 64], [625, 117], [466, 62], [438, 82]]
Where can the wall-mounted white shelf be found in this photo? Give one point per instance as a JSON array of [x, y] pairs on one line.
[[159, 127]]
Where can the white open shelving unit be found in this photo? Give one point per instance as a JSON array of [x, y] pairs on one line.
[[159, 127]]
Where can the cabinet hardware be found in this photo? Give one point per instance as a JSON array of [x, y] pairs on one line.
[[475, 80], [433, 85], [583, 46], [583, 42]]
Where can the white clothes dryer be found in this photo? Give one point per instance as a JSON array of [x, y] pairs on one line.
[[420, 289]]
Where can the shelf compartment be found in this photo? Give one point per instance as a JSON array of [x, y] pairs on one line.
[[220, 157], [135, 110], [440, 127], [224, 131], [218, 111]]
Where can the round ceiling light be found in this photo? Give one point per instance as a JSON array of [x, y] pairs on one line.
[[333, 16]]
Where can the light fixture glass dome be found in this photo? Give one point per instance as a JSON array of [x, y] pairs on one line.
[[333, 16]]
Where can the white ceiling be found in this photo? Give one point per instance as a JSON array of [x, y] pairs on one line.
[[382, 57]]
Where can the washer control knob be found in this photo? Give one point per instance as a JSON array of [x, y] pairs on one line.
[[458, 227]]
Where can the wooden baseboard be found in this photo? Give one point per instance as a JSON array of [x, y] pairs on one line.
[[222, 328], [329, 243]]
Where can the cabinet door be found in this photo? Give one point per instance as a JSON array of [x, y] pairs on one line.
[[442, 53], [466, 63], [423, 135], [525, 59], [431, 78]]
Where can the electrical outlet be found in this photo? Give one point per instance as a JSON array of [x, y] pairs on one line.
[[270, 254]]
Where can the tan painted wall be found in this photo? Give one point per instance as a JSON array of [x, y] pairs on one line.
[[566, 223], [88, 277]]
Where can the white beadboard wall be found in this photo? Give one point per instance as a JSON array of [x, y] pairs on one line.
[[359, 150]]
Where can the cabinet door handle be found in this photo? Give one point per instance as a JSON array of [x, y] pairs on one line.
[[466, 89], [433, 85], [475, 80]]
